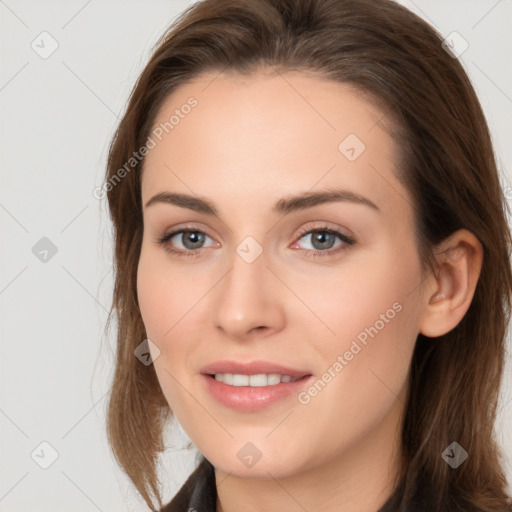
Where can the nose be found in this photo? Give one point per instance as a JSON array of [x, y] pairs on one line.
[[249, 300]]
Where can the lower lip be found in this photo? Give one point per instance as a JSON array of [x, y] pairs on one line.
[[253, 398]]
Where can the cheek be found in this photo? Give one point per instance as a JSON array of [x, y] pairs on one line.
[[371, 291], [365, 371], [372, 314], [164, 294], [164, 301], [152, 294]]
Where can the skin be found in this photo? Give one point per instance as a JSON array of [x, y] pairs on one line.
[[249, 142]]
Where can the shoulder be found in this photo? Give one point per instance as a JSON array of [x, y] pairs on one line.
[[199, 492]]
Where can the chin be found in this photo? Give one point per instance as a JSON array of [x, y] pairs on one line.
[[277, 465]]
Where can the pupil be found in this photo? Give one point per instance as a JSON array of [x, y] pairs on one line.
[[323, 240], [192, 239]]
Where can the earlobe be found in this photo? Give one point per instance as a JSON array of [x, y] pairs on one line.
[[450, 291]]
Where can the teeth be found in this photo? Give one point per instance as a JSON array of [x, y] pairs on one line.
[[259, 380]]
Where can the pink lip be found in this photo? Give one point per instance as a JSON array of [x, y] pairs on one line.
[[249, 398]]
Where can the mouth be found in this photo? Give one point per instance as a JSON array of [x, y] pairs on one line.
[[253, 385], [262, 373], [255, 380], [253, 392]]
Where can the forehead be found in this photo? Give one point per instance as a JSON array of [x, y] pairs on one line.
[[268, 135]]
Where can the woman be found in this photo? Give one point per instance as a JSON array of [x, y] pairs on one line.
[[312, 268]]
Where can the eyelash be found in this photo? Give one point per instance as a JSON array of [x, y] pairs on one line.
[[347, 241], [309, 252], [190, 253]]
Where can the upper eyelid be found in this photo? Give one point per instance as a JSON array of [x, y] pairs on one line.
[[325, 226], [305, 230], [168, 234], [344, 237], [301, 231]]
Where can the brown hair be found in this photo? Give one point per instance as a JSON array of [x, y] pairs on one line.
[[449, 168]]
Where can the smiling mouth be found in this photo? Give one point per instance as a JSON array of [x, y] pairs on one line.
[[256, 380], [254, 392]]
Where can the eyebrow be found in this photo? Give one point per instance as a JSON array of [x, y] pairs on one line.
[[281, 207]]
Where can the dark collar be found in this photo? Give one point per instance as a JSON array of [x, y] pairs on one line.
[[198, 493]]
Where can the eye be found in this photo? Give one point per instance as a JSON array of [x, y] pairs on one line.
[[323, 241], [185, 241]]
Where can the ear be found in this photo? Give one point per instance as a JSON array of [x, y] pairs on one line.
[[450, 290]]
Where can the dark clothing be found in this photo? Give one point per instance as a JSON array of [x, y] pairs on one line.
[[199, 494]]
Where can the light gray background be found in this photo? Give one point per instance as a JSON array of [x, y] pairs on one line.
[[58, 116]]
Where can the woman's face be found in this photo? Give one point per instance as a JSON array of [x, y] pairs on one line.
[[329, 287]]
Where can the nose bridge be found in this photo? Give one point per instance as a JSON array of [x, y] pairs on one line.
[[245, 300]]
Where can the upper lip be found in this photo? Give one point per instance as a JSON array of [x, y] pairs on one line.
[[251, 368]]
